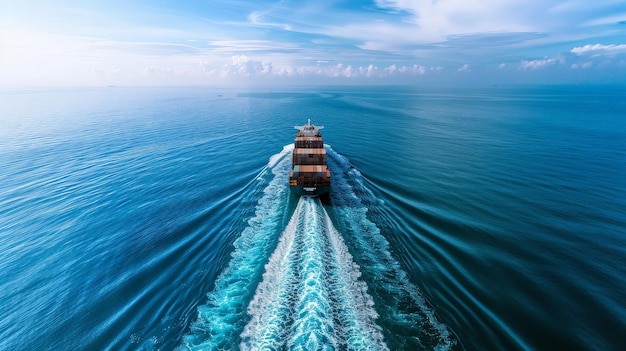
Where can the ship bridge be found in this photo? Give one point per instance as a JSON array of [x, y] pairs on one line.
[[309, 130]]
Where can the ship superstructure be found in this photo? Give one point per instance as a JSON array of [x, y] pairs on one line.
[[309, 175]]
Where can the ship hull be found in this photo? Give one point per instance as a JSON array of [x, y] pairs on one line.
[[309, 191]]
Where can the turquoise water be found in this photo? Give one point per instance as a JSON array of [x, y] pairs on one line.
[[161, 219]]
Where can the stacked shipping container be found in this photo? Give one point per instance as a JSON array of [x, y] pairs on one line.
[[309, 175]]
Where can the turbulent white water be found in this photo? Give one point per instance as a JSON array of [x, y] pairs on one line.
[[304, 290], [222, 319], [311, 297]]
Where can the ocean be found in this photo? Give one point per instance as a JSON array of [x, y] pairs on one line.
[[459, 219]]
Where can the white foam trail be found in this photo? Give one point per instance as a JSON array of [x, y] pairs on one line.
[[356, 307], [277, 157], [314, 329], [268, 303], [222, 318], [310, 297], [347, 196]]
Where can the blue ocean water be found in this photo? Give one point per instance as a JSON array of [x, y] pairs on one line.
[[459, 219]]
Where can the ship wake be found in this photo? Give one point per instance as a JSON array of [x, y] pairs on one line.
[[303, 276], [311, 297]]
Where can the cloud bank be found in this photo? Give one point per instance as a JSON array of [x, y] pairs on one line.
[[385, 42]]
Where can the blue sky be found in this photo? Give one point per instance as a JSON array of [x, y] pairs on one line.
[[258, 42]]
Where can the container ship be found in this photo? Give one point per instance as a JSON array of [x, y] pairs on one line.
[[309, 175]]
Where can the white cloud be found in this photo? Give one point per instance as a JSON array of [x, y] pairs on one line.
[[584, 65], [257, 18], [250, 45], [493, 25], [395, 70], [348, 72], [370, 70], [442, 18], [437, 22], [464, 68], [243, 66], [535, 64], [415, 69], [341, 70], [599, 49], [286, 71]]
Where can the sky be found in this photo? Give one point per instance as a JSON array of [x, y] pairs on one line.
[[301, 42]]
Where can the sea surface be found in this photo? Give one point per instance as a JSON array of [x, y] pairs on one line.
[[459, 219]]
